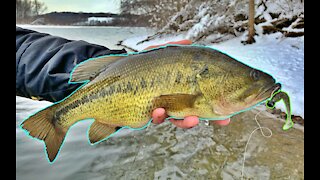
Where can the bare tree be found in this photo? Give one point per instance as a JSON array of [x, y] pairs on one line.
[[157, 11], [27, 9], [18, 9], [251, 29], [38, 7], [219, 20]]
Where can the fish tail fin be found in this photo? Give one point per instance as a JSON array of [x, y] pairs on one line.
[[41, 126]]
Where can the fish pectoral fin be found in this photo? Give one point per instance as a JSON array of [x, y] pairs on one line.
[[175, 102], [99, 131], [91, 68]]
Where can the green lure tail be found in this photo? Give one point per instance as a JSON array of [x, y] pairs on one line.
[[276, 97]]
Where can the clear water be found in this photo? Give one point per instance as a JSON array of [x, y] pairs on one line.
[[160, 151]]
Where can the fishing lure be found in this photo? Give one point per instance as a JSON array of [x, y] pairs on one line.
[[276, 97]]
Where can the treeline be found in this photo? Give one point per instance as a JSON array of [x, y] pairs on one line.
[[154, 13], [69, 18], [81, 19], [27, 10]]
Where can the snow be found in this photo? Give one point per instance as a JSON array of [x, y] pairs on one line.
[[285, 8], [199, 27], [283, 58], [291, 29], [267, 16], [100, 19]]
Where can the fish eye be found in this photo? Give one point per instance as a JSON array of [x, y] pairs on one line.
[[255, 74]]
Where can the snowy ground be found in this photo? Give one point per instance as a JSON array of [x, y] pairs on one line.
[[281, 57]]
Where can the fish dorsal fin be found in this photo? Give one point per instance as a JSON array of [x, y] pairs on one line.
[[91, 68], [175, 102], [99, 131]]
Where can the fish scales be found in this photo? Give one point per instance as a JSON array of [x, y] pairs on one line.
[[145, 85], [121, 91]]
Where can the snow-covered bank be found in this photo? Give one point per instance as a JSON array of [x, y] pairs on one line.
[[283, 58]]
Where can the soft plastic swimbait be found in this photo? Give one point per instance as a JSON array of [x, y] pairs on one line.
[[276, 97]]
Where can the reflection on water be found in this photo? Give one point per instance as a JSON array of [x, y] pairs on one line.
[[165, 151]]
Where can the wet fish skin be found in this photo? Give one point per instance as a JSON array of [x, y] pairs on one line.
[[123, 91]]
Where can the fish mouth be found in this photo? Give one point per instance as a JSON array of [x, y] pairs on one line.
[[269, 91]]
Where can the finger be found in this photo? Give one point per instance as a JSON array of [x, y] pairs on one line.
[[181, 42], [223, 122], [187, 122], [158, 115]]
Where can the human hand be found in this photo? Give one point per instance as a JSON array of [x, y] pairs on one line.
[[159, 115]]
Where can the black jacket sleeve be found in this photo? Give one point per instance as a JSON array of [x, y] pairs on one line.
[[44, 63]]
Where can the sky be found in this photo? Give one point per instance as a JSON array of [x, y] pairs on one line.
[[111, 6]]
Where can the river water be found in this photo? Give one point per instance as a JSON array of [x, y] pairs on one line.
[[160, 151]]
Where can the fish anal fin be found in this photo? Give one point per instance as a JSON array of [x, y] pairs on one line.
[[91, 68], [99, 131], [175, 102]]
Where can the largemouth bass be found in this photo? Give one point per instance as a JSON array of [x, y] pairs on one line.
[[122, 90]]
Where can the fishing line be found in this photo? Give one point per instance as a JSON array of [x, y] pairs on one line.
[[263, 134]]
